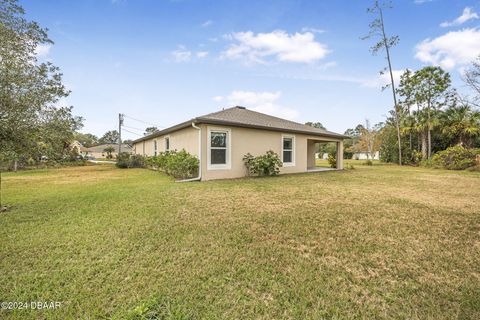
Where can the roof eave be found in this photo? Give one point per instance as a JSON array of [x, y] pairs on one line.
[[201, 120], [243, 125]]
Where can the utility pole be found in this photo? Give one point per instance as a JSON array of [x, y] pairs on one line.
[[120, 122]]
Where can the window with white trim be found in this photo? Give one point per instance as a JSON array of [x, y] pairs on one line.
[[218, 149], [288, 150], [154, 147], [167, 143]]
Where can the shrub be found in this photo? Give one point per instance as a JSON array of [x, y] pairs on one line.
[[180, 165], [137, 161], [454, 158], [332, 161], [368, 162], [127, 160], [428, 163], [265, 165]]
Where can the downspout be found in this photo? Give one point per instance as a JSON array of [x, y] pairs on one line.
[[199, 177]]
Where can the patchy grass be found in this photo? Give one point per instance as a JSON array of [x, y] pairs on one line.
[[374, 242]]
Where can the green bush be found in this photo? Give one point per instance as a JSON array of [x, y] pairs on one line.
[[454, 158], [332, 161], [127, 160], [428, 163], [180, 165], [368, 162], [265, 165]]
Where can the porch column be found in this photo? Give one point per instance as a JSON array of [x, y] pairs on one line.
[[340, 155]]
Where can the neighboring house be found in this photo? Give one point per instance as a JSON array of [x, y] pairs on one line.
[[98, 150], [323, 156], [366, 156], [77, 147], [221, 139]]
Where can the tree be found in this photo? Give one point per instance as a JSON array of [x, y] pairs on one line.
[[472, 79], [368, 140], [150, 130], [29, 91], [111, 136], [428, 90], [377, 30], [86, 139], [109, 150], [461, 124], [317, 125], [348, 144]]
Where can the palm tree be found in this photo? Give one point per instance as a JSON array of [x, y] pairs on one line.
[[461, 124], [109, 150]]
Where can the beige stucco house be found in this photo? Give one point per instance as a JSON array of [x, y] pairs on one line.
[[98, 151], [221, 139]]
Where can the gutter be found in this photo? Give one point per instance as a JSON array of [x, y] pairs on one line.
[[199, 177]]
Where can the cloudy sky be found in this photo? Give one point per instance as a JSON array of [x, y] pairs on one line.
[[164, 62]]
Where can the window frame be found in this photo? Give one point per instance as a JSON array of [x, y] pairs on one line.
[[155, 147], [165, 139], [228, 148], [292, 163]]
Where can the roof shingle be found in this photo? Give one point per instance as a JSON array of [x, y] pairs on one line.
[[242, 117]]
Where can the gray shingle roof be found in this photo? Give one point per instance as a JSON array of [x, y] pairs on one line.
[[242, 117]]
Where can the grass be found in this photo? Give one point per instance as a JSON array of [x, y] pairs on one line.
[[374, 242]]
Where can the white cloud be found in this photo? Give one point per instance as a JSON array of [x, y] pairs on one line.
[[182, 54], [207, 23], [313, 30], [42, 50], [467, 15], [265, 102], [383, 79], [202, 54], [298, 47], [217, 98], [455, 48]]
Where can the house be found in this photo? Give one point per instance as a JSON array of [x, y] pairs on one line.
[[221, 139], [77, 147], [98, 151], [366, 156]]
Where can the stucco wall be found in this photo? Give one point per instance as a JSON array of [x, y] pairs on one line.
[[257, 142], [242, 141], [182, 139]]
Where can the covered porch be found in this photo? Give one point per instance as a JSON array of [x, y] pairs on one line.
[[313, 146]]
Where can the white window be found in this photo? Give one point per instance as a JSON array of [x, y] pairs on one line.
[[167, 143], [219, 149], [288, 150], [154, 147]]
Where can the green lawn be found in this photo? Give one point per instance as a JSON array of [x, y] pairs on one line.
[[374, 242]]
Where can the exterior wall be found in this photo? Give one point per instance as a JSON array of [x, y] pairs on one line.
[[257, 142], [101, 154], [242, 141], [182, 139], [311, 153]]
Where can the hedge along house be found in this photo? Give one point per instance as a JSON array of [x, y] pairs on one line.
[[221, 139]]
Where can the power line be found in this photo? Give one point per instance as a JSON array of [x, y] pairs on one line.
[[149, 123], [133, 128], [138, 134]]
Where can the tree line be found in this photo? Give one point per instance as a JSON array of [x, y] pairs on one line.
[[429, 115]]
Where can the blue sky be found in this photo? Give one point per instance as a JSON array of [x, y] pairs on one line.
[[164, 62]]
